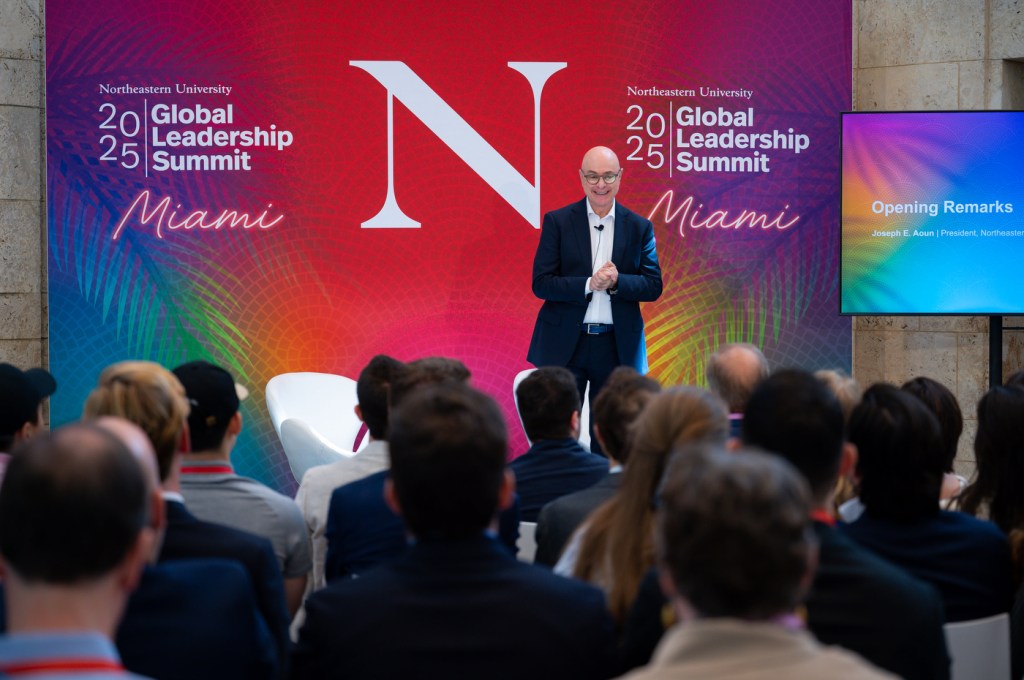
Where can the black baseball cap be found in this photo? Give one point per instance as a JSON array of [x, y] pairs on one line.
[[212, 393], [20, 395]]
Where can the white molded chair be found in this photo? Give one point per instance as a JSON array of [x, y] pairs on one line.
[[584, 410], [526, 546], [979, 649], [324, 405], [306, 448]]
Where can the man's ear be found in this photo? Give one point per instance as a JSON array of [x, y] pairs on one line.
[[848, 461], [574, 423], [391, 498], [358, 410], [507, 490], [235, 424]]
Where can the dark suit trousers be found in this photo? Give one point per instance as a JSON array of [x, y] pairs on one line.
[[593, 360]]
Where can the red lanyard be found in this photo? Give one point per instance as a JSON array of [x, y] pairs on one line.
[[206, 469], [52, 665]]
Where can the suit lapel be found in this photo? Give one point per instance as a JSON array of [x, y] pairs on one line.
[[581, 227], [621, 236]]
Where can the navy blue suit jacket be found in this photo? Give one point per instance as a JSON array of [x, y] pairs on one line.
[[188, 537], [563, 264], [196, 619], [553, 468], [363, 532], [965, 558], [456, 609]]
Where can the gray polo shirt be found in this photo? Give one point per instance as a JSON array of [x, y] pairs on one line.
[[213, 492]]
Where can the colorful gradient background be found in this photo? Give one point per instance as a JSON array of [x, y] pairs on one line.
[[932, 157], [318, 293]]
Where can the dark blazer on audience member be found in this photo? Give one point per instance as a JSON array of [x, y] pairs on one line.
[[456, 609], [966, 559], [857, 601], [560, 518], [196, 620], [362, 532], [188, 537], [553, 468]]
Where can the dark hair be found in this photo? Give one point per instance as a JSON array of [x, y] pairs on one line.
[[734, 533], [72, 504], [448, 445], [618, 545], [941, 402], [421, 372], [1015, 379], [999, 452], [547, 398], [900, 460], [623, 397], [372, 392], [733, 372], [793, 414]]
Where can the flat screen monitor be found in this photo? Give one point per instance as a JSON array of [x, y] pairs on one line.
[[932, 213]]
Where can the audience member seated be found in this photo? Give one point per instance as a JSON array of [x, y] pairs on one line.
[[362, 531], [214, 493], [150, 396], [901, 464], [189, 619], [856, 600], [74, 538], [319, 483], [556, 464], [615, 546], [848, 391], [21, 406], [732, 372], [996, 492], [623, 397], [735, 572], [943, 405], [941, 402], [456, 604]]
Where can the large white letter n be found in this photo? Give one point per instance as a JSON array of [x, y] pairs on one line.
[[434, 112]]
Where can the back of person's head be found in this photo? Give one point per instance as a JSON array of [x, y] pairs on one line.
[[72, 505], [900, 458], [624, 396], [1015, 379], [733, 534], [844, 386], [943, 404], [620, 531], [794, 415], [148, 395], [547, 398], [999, 453], [423, 372], [372, 391], [21, 394], [448, 445], [733, 372], [213, 398]]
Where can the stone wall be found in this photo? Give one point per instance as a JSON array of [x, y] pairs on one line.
[[937, 54], [22, 224]]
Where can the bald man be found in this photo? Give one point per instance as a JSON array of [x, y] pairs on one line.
[[595, 263]]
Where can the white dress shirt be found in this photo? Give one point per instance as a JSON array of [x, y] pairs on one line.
[[600, 308]]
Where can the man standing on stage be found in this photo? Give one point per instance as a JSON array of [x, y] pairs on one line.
[[596, 261]]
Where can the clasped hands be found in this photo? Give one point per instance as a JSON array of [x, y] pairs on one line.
[[604, 278]]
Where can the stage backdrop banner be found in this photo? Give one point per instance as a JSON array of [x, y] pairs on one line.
[[297, 186]]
